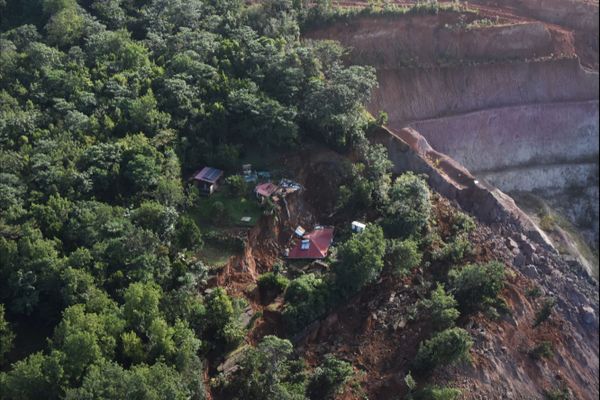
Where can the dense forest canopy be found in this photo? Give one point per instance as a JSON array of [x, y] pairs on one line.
[[106, 107]]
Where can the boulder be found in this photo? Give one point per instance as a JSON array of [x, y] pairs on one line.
[[588, 315]]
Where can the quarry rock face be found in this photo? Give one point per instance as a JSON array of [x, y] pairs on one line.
[[520, 115]]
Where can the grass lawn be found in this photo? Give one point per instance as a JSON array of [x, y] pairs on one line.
[[216, 256], [235, 209]]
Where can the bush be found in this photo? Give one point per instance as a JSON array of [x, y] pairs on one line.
[[218, 212], [404, 255], [542, 350], [562, 393], [441, 307], [455, 250], [544, 313], [462, 223], [474, 283], [444, 348], [307, 299], [437, 393], [534, 292], [329, 378], [236, 185], [271, 284]]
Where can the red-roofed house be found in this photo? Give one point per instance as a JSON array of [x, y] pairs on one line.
[[313, 245], [265, 190]]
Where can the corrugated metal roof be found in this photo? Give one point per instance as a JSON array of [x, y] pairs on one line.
[[208, 174], [266, 189]]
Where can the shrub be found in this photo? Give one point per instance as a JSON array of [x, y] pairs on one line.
[[307, 299], [562, 393], [444, 348], [437, 393], [329, 378], [404, 255], [548, 222], [462, 223], [237, 185], [542, 350], [441, 307], [271, 284], [474, 283], [544, 313], [454, 250], [534, 292], [218, 212]]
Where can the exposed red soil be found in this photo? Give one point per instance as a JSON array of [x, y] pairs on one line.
[[374, 332], [362, 333], [573, 24]]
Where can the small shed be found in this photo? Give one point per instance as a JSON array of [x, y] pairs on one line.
[[358, 227], [265, 190], [207, 179]]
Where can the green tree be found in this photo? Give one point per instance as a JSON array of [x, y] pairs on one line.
[[409, 207], [222, 326], [132, 347], [307, 299], [267, 372], [441, 308], [404, 255], [474, 283], [54, 6], [6, 336], [333, 106], [154, 216], [237, 185], [361, 260], [65, 27], [107, 380], [187, 234], [35, 377], [141, 305]]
